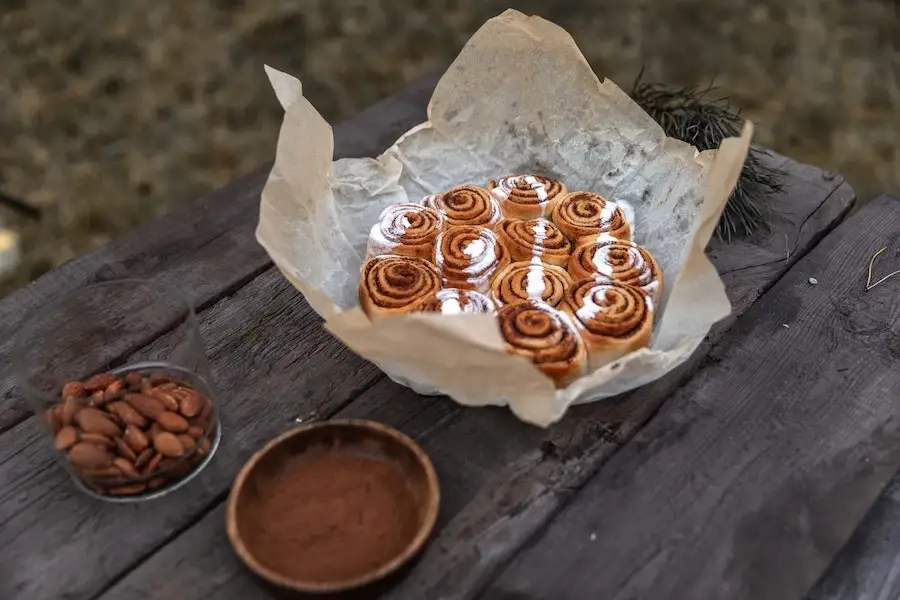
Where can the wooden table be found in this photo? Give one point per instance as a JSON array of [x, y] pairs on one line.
[[741, 475]]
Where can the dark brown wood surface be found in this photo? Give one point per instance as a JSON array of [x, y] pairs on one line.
[[501, 480], [754, 474]]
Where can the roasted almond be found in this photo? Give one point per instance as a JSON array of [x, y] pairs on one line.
[[203, 446], [93, 420], [147, 406], [133, 381], [158, 377], [54, 420], [126, 466], [70, 406], [110, 475], [143, 458], [125, 450], [167, 400], [175, 468], [146, 386], [89, 456], [74, 389], [167, 386], [195, 432], [154, 431], [99, 382], [152, 465], [168, 445], [114, 391], [207, 410], [171, 421], [190, 403], [127, 490], [127, 413], [97, 438], [66, 438], [136, 438], [156, 482], [187, 442]]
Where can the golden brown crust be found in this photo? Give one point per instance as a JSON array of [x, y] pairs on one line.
[[451, 301], [586, 214], [465, 205], [614, 319], [526, 196], [527, 239], [469, 257], [545, 336], [617, 260], [396, 285], [405, 229], [530, 281]]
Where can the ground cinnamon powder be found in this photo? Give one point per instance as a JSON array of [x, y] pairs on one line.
[[331, 518]]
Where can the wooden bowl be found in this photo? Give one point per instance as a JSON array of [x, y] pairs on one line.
[[336, 438]]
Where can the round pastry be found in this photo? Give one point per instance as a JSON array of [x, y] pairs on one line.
[[396, 285], [586, 214], [526, 239], [617, 260], [546, 336], [452, 301], [469, 256], [465, 205], [405, 229], [526, 196], [614, 319], [534, 280]]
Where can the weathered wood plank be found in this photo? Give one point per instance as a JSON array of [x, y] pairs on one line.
[[210, 243], [753, 475], [495, 471]]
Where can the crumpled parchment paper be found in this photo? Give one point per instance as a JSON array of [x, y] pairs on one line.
[[520, 97]]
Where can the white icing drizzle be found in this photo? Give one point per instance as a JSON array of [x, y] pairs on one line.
[[482, 255], [392, 224], [506, 185]]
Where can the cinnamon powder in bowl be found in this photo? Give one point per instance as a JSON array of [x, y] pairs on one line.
[[333, 506]]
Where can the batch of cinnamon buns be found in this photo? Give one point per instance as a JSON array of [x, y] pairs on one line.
[[569, 288]]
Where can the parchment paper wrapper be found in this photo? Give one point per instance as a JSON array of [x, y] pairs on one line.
[[520, 97]]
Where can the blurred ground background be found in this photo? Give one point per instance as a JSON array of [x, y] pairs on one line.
[[112, 112]]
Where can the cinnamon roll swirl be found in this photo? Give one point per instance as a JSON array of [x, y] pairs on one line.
[[585, 214], [526, 196], [617, 260], [469, 256], [465, 205], [452, 301], [405, 229], [534, 238], [546, 336], [613, 318], [396, 285], [534, 280]]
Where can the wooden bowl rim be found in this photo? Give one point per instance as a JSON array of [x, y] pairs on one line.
[[396, 563]]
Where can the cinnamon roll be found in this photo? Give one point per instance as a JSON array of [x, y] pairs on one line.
[[395, 285], [451, 301], [526, 196], [530, 281], [465, 205], [405, 229], [546, 336], [613, 318], [469, 256], [617, 260], [584, 214], [534, 238]]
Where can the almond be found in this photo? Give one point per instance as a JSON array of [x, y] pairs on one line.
[[168, 445], [147, 406], [54, 420], [168, 401], [99, 382], [158, 377], [93, 420], [127, 413], [74, 389], [89, 456], [98, 439], [207, 410], [143, 458], [133, 381], [152, 465], [146, 386], [70, 406], [125, 450], [173, 422], [125, 465], [136, 438], [109, 474], [66, 438], [187, 442], [156, 482], [191, 403], [195, 432], [127, 490], [167, 386], [175, 468], [114, 391], [154, 431], [96, 399], [203, 446]]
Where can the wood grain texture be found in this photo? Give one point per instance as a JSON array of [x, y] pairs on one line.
[[500, 479], [753, 475], [210, 245]]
